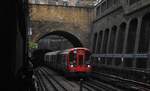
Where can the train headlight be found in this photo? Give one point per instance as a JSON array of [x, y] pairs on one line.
[[75, 51], [71, 65], [89, 65]]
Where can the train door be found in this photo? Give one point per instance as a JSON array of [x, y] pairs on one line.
[[72, 58]]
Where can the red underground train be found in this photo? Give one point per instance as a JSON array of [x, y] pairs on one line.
[[70, 61]]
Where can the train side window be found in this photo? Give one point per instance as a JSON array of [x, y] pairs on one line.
[[65, 63], [61, 58], [55, 59], [64, 56], [58, 59], [64, 59], [52, 58], [45, 58]]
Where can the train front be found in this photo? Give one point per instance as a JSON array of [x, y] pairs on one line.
[[78, 61]]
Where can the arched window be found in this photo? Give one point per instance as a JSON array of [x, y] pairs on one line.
[[112, 43], [112, 39], [99, 44], [144, 41], [94, 42], [105, 40], [121, 37], [120, 42], [131, 36]]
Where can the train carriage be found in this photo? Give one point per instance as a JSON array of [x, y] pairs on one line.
[[73, 60]]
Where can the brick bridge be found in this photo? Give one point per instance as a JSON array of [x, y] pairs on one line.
[[73, 23]]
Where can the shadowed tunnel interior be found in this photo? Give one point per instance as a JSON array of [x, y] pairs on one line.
[[73, 39], [38, 56]]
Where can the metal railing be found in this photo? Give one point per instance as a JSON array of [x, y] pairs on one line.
[[121, 55]]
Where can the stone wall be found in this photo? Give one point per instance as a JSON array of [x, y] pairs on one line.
[[74, 20]]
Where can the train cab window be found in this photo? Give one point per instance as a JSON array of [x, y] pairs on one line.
[[80, 60], [87, 58]]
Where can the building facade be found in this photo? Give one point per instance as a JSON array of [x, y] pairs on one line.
[[120, 33], [64, 2]]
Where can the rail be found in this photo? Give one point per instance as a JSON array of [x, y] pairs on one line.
[[121, 55], [122, 82]]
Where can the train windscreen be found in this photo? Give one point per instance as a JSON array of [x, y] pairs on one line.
[[80, 57], [87, 58], [83, 57], [80, 60]]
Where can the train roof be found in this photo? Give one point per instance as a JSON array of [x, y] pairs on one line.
[[79, 48], [52, 53], [65, 51], [71, 49]]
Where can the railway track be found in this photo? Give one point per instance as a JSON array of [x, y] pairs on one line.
[[100, 86], [55, 83], [51, 81], [122, 83], [40, 82], [71, 85]]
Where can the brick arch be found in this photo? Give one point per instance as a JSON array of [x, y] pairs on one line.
[[144, 42], [70, 37]]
